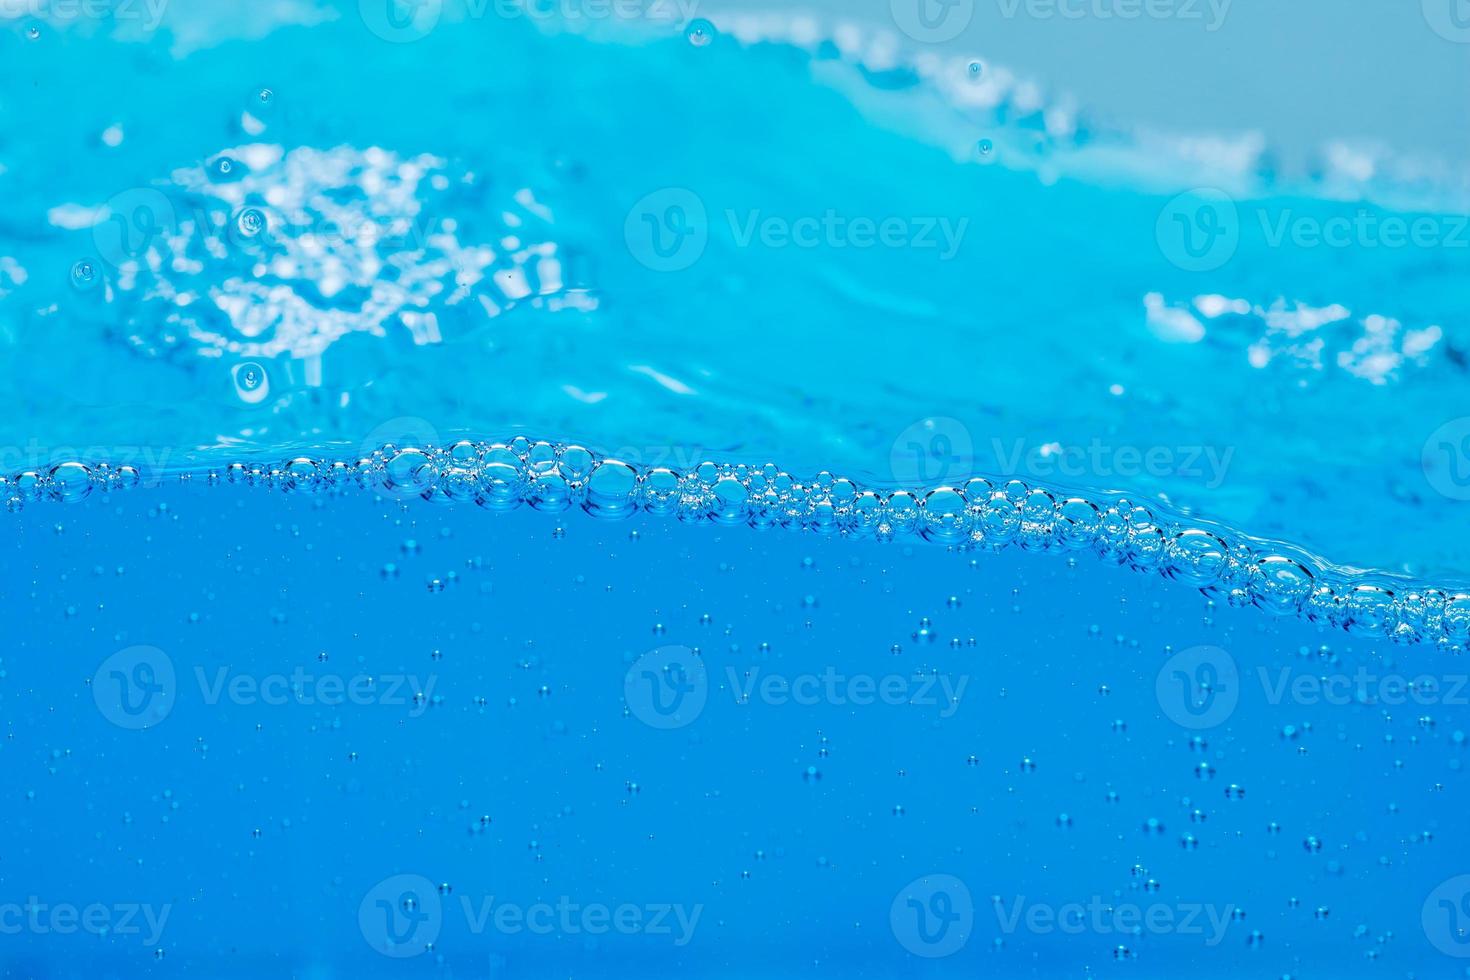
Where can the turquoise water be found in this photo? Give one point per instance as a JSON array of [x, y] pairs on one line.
[[747, 494]]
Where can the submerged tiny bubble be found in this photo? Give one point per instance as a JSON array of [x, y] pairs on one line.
[[252, 384], [700, 32], [250, 222], [83, 274]]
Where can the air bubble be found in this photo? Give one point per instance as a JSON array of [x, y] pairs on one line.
[[252, 383], [555, 478], [250, 222], [700, 32], [70, 482], [83, 275]]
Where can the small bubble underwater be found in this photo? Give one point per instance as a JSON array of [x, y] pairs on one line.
[[610, 490]]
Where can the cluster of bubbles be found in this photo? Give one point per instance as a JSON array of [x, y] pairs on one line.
[[977, 514]]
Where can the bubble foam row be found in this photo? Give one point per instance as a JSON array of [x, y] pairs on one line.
[[978, 514]]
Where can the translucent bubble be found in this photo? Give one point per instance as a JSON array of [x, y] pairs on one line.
[[1282, 584], [70, 482], [1199, 557], [985, 147], [610, 490], [34, 33], [83, 275], [410, 473], [300, 474], [976, 69], [252, 384], [250, 222], [700, 32], [554, 478]]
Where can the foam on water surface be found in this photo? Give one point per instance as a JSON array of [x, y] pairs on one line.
[[714, 274], [975, 514]]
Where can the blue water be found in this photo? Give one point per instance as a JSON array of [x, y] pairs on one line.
[[519, 491]]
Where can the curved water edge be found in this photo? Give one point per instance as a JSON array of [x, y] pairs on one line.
[[978, 514], [298, 265]]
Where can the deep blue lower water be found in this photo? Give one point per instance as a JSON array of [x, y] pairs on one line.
[[976, 535], [363, 700]]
